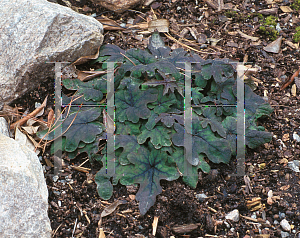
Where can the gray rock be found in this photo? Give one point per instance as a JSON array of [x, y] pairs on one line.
[[23, 192], [4, 127], [34, 32]]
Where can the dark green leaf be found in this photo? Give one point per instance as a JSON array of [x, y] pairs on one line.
[[91, 90], [169, 119], [114, 52], [163, 102], [138, 56], [84, 128], [197, 95], [168, 82], [204, 141], [189, 172], [132, 104], [127, 128], [150, 167], [129, 144], [158, 137]]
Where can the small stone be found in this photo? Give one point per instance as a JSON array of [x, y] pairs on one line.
[[202, 39], [55, 178], [223, 19], [278, 28], [232, 44], [285, 225], [281, 215], [130, 21], [233, 215], [270, 193], [227, 224], [284, 234], [296, 137], [294, 165], [201, 197]]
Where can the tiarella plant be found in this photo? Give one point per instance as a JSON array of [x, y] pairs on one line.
[[150, 121]]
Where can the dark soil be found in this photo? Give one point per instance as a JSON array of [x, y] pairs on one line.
[[75, 206]]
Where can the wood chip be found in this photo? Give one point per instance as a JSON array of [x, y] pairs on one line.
[[154, 225], [212, 4], [292, 45], [284, 188], [184, 228], [111, 208], [248, 37], [248, 183], [48, 162], [286, 9], [161, 25], [286, 137], [294, 90], [193, 32], [101, 234], [109, 24], [270, 11], [297, 82]]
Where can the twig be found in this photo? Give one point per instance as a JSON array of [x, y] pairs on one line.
[[80, 169], [49, 131], [56, 230], [128, 59], [83, 162], [191, 48], [286, 84], [74, 228], [30, 115]]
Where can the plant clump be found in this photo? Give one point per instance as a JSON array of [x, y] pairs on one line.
[[268, 27], [296, 5], [296, 37], [150, 118], [236, 15]]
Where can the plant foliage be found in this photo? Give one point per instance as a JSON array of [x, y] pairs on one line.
[[149, 118]]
